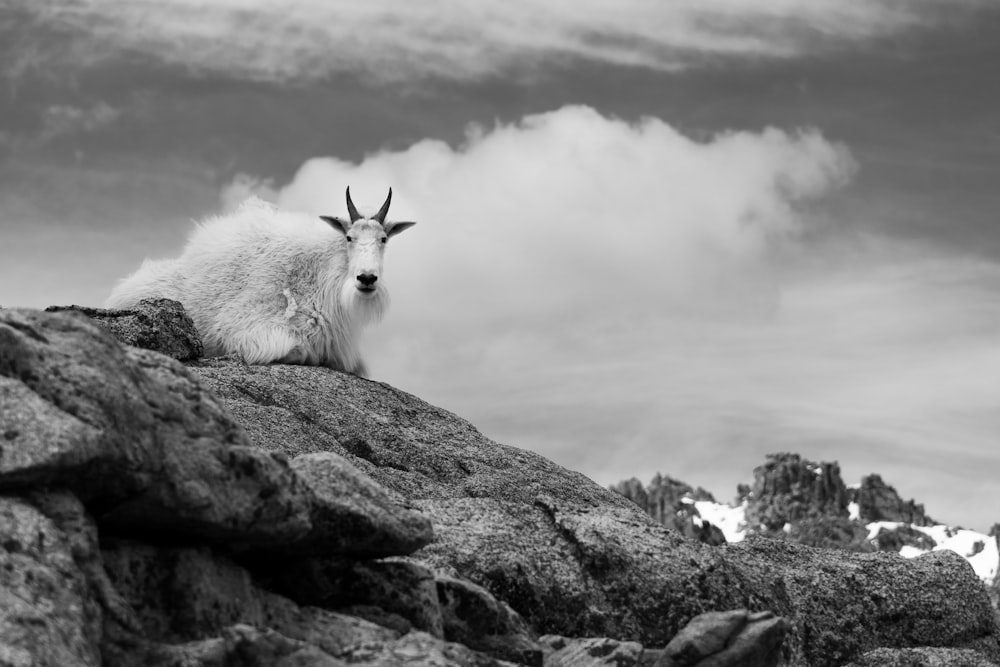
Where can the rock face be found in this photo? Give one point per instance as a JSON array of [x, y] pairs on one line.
[[138, 520], [577, 560], [787, 489], [877, 501], [671, 503], [224, 514], [160, 325], [727, 638]]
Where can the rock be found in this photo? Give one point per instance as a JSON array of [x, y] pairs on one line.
[[184, 594], [238, 646], [160, 325], [473, 617], [133, 432], [419, 648], [727, 639], [194, 521], [922, 657], [591, 652], [848, 604], [788, 488], [47, 615], [578, 560], [384, 592], [705, 635], [894, 539], [138, 437], [671, 502], [877, 501], [829, 532], [355, 516], [246, 646]]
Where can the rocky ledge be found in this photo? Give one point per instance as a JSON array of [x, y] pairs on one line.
[[160, 514]]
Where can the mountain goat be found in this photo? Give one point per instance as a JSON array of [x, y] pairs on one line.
[[271, 286]]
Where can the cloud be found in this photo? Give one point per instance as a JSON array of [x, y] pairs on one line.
[[614, 295], [246, 185], [395, 41], [59, 120], [570, 213]]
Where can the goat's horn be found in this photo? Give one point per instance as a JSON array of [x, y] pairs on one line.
[[351, 208], [380, 216]]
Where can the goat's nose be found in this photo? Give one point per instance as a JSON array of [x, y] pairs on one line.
[[367, 279]]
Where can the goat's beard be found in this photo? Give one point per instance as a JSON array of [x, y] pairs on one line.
[[363, 309]]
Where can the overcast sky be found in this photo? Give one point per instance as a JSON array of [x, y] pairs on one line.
[[652, 236]]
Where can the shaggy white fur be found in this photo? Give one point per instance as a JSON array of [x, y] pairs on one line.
[[273, 286]]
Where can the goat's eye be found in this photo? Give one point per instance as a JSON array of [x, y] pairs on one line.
[[349, 239], [384, 239]]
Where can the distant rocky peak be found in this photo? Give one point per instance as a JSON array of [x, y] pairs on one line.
[[877, 501], [788, 488]]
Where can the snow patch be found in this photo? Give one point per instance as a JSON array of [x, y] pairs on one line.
[[979, 549], [876, 527], [730, 520]]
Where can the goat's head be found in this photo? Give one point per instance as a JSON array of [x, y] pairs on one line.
[[366, 239]]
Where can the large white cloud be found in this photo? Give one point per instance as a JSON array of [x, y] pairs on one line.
[[396, 40], [574, 215], [620, 297]]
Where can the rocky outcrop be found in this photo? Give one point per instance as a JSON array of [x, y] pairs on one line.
[[877, 501], [922, 657], [224, 514], [595, 652], [671, 502], [787, 489], [736, 638], [160, 325], [577, 560], [894, 539], [139, 522]]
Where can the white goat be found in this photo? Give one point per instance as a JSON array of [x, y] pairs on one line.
[[272, 286]]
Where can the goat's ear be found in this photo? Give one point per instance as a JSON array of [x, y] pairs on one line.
[[393, 227], [342, 226]]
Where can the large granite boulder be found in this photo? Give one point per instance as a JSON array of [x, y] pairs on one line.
[[157, 503], [578, 560], [132, 507]]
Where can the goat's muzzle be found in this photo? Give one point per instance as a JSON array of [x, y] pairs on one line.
[[366, 283]]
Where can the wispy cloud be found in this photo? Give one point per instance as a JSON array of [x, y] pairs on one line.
[[60, 120], [395, 40]]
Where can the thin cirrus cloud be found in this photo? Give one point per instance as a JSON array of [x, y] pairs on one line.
[[58, 119], [394, 40]]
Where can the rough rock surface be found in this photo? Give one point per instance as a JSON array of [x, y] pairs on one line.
[[592, 652], [922, 657], [131, 451], [578, 560], [472, 616], [347, 497], [734, 638], [129, 493], [160, 325], [46, 613], [135, 434]]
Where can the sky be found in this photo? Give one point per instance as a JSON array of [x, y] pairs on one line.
[[652, 236]]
